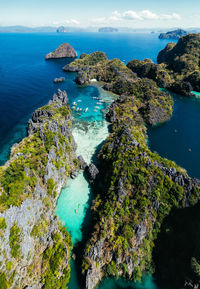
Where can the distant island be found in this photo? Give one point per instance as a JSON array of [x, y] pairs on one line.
[[64, 29], [108, 29], [25, 29], [175, 34]]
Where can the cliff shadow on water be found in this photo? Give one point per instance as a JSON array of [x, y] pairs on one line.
[[177, 243]]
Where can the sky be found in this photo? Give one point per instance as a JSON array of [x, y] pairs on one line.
[[115, 13]]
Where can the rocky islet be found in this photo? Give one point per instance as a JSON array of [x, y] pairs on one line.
[[65, 50]]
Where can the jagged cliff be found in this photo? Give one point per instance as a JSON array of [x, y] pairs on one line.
[[34, 247], [136, 188]]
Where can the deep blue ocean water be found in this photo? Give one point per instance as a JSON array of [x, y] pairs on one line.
[[26, 83], [26, 79]]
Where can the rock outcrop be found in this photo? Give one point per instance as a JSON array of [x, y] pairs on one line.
[[175, 34], [63, 51], [35, 248], [59, 79]]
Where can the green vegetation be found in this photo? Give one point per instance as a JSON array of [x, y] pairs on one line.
[[14, 241], [2, 223], [16, 184], [55, 258], [183, 59], [4, 284], [92, 59], [178, 66]]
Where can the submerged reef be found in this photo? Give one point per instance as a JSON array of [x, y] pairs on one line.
[[34, 247]]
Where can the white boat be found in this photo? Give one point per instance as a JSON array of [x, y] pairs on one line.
[[86, 109], [79, 100], [100, 103], [73, 107], [80, 109], [74, 103], [97, 107]]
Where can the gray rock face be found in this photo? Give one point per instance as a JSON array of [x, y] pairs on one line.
[[63, 51], [82, 163], [92, 172]]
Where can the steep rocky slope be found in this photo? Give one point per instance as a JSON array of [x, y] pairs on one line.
[[34, 247]]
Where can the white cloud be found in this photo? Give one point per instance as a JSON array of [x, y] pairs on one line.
[[172, 16], [146, 14], [131, 15]]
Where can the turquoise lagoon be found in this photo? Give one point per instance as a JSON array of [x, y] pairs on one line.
[[74, 200]]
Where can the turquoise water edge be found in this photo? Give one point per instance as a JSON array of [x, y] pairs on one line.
[[26, 83]]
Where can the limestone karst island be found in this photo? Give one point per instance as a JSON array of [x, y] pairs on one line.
[[99, 145]]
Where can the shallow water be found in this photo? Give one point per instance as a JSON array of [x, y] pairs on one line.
[[72, 205]]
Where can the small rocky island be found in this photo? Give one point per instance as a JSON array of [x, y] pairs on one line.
[[65, 50], [175, 34], [59, 79]]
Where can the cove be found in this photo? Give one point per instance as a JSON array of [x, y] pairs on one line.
[[89, 131]]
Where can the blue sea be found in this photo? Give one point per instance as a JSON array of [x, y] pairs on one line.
[[26, 83]]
